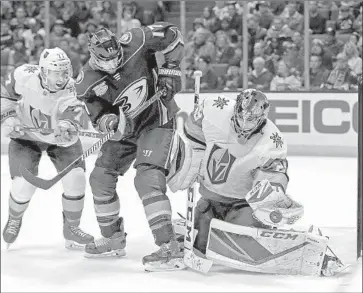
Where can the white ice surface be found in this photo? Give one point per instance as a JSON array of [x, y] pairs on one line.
[[39, 262]]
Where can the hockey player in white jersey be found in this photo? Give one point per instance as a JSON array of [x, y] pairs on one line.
[[43, 96], [239, 158]]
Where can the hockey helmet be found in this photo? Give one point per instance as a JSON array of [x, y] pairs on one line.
[[250, 112], [106, 51], [55, 69]]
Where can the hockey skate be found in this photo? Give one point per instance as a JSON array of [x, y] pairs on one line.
[[11, 230], [75, 238], [168, 258], [107, 247]]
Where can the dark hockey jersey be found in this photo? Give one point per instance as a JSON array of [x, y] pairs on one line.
[[134, 81]]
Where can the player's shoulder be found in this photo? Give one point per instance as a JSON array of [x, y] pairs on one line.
[[218, 106], [24, 73], [87, 80], [272, 143], [132, 42]]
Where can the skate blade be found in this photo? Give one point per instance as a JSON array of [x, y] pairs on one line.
[[72, 245], [175, 264], [113, 253]]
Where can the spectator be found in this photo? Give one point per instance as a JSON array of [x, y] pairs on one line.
[[345, 21], [259, 78], [265, 15], [317, 22], [128, 21], [233, 78], [219, 9], [341, 77], [292, 60], [209, 80], [225, 26], [71, 23], [31, 8], [293, 19], [258, 51], [236, 20], [354, 61], [82, 50], [237, 57], [224, 53], [18, 55], [137, 12], [199, 46], [354, 38], [255, 33], [6, 38], [197, 23], [209, 19], [318, 49], [6, 10], [82, 14], [91, 27], [38, 44], [318, 73], [58, 32], [332, 44], [279, 30], [284, 80], [357, 25]]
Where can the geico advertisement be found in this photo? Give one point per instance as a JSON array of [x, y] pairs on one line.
[[320, 119]]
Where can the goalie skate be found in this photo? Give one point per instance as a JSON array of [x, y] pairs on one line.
[[168, 258], [107, 247], [11, 230]]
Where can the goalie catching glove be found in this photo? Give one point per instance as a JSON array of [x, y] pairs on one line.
[[271, 206]]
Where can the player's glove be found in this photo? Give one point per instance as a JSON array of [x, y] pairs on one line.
[[12, 128], [65, 132], [169, 80], [109, 122]]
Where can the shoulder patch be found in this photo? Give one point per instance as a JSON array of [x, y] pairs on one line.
[[277, 140], [126, 38], [80, 77], [30, 68], [100, 89]]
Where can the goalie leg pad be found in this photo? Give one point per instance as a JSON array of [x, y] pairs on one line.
[[185, 164], [266, 251]]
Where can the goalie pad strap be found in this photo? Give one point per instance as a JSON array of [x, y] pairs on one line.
[[265, 250]]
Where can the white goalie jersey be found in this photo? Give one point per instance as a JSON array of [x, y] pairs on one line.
[[230, 166], [37, 107]]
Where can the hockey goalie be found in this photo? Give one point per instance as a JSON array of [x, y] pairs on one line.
[[239, 158]]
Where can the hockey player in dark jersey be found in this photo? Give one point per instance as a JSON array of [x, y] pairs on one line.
[[119, 77]]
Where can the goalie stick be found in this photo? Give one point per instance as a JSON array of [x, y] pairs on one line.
[[191, 259], [48, 183]]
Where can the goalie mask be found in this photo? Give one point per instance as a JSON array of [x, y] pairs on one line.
[[250, 112], [55, 69], [106, 51]]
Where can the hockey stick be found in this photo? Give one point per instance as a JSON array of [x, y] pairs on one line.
[[48, 183], [50, 130], [191, 259]]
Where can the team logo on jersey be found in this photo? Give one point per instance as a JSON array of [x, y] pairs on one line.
[[100, 89], [133, 96], [220, 102], [40, 119], [219, 165], [80, 77], [276, 139], [126, 38]]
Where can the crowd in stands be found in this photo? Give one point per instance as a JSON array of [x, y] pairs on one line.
[[23, 27], [214, 45], [276, 45]]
